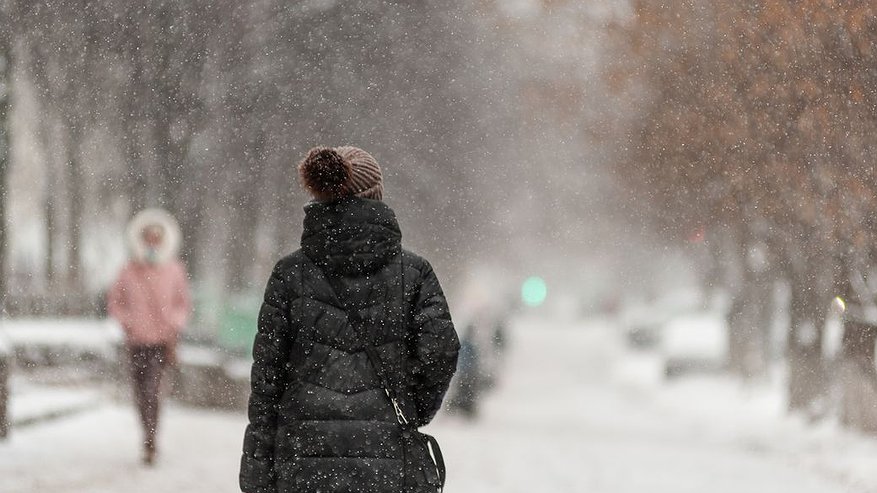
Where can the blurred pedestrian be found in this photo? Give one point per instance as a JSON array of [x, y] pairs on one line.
[[500, 335], [469, 383], [355, 347], [151, 301]]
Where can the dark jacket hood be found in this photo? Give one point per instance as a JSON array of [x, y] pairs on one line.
[[351, 236]]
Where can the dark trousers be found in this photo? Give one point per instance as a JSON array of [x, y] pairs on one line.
[[147, 365]]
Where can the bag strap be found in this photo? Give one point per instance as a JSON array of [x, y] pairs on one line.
[[374, 358], [437, 457], [371, 352]]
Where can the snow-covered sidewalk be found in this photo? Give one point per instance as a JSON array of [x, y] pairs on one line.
[[570, 416], [32, 404]]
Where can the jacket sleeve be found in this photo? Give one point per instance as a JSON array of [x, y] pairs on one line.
[[268, 382], [435, 347]]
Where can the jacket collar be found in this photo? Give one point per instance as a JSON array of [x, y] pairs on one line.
[[352, 235]]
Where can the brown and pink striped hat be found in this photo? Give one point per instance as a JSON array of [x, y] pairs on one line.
[[365, 180], [331, 173]]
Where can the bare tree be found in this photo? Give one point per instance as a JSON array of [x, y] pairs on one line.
[[761, 123], [5, 89]]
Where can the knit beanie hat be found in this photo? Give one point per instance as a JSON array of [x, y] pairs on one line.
[[331, 173]]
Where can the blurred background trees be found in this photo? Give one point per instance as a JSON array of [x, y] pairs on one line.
[[586, 142], [758, 131], [5, 62], [204, 108]]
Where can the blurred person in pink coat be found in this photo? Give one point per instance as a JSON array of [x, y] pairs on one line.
[[150, 299]]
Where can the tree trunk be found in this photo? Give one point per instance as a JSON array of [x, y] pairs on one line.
[[749, 316], [179, 191], [75, 194], [132, 116], [245, 221], [4, 395], [807, 380], [37, 68], [747, 341], [5, 94], [737, 334], [859, 377], [50, 209]]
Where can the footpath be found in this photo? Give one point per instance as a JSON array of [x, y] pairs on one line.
[[571, 414]]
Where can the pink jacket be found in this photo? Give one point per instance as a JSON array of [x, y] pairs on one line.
[[151, 302]]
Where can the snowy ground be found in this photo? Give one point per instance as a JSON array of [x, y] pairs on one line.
[[575, 413]]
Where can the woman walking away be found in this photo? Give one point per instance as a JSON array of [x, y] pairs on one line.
[[150, 299], [355, 348]]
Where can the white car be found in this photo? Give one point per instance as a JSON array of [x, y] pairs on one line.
[[696, 342]]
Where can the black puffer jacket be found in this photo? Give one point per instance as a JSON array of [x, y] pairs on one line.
[[319, 420]]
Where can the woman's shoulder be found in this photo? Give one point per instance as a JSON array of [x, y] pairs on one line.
[[415, 263], [290, 264]]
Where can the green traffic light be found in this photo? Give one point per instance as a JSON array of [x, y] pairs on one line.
[[534, 291]]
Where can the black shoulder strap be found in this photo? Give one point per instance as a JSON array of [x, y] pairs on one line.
[[374, 358]]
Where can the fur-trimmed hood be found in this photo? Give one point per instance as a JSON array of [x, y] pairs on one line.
[[148, 217]]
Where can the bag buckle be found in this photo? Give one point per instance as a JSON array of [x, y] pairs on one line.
[[400, 416]]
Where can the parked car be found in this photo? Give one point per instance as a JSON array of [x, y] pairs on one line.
[[643, 321], [694, 343]]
